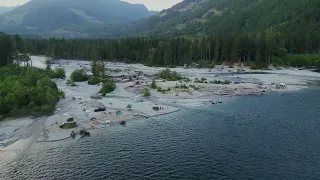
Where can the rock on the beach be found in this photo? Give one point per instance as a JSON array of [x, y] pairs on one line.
[[98, 105], [95, 96]]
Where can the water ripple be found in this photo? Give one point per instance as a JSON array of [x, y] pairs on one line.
[[272, 137]]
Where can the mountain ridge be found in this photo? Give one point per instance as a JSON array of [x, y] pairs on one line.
[[217, 17], [32, 17], [5, 9]]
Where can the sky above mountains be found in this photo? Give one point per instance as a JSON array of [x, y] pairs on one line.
[[155, 5]]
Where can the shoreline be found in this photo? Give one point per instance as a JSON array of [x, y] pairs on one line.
[[80, 106]]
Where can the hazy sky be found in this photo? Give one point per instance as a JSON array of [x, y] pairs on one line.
[[151, 4]]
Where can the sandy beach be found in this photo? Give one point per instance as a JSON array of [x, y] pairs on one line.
[[79, 104]]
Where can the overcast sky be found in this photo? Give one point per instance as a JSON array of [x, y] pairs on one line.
[[151, 4]]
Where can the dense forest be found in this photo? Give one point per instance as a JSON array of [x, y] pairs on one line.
[[218, 17], [24, 90], [259, 50]]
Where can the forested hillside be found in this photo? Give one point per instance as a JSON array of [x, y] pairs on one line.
[[292, 23], [213, 17], [66, 18], [253, 32], [248, 31]]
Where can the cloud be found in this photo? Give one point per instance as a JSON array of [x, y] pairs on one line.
[[12, 2], [156, 4], [151, 4]]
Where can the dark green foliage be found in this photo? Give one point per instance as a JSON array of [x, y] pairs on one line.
[[202, 80], [145, 92], [6, 50], [169, 75], [249, 49], [93, 80], [181, 86], [108, 86], [300, 60], [153, 84], [257, 66], [226, 82], [98, 69], [26, 91], [194, 87], [164, 91], [79, 75], [57, 73]]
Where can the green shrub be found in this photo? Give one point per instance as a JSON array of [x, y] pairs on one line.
[[187, 80], [281, 53], [79, 75], [317, 63], [153, 84], [145, 92], [108, 86], [93, 80], [202, 80], [57, 73], [278, 62], [300, 60], [258, 66], [168, 75], [226, 82], [194, 87], [212, 65]]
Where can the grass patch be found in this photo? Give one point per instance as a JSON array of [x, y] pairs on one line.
[[145, 92]]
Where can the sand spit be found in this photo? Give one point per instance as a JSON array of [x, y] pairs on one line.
[[131, 79]]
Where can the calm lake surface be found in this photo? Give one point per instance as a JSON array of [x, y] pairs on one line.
[[269, 137]]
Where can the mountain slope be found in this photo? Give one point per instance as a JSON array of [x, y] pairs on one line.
[[52, 16], [4, 9], [227, 16], [215, 17]]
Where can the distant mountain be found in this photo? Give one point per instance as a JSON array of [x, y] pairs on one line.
[[64, 17], [4, 9], [199, 17], [216, 17]]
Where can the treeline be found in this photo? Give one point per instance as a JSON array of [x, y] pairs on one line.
[[12, 48], [6, 50], [259, 49]]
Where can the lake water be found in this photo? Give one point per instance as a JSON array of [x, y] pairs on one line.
[[269, 137]]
